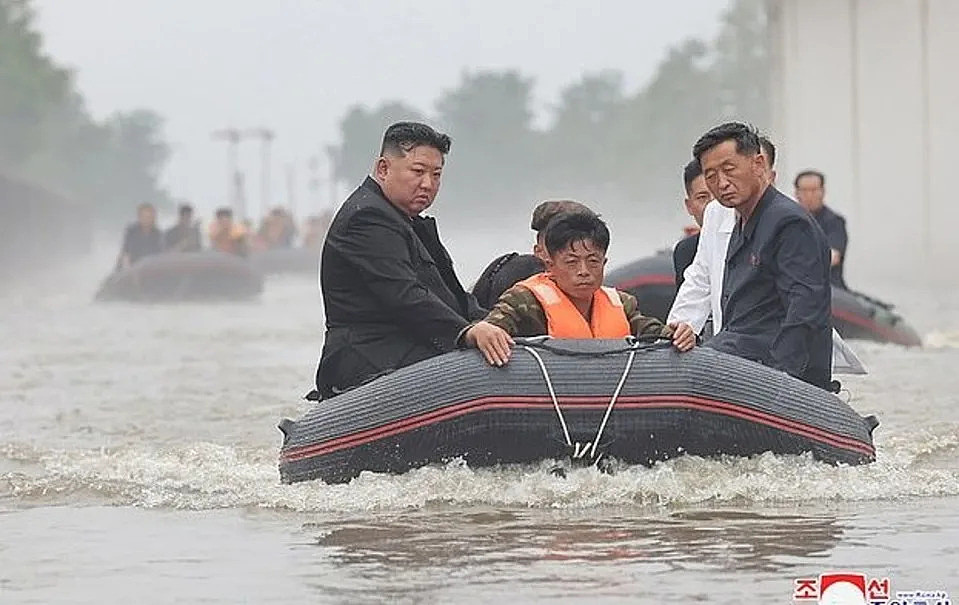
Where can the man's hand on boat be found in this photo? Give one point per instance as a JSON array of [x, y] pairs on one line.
[[493, 342], [684, 337], [496, 344]]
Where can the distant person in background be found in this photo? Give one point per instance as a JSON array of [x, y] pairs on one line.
[[315, 232], [228, 236], [141, 238], [185, 235], [509, 269], [697, 196], [811, 193], [277, 230]]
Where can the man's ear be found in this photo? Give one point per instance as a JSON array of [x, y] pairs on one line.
[[381, 167]]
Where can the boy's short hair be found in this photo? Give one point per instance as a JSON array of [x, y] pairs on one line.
[[570, 227]]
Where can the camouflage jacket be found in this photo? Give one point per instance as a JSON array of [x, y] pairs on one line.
[[519, 313]]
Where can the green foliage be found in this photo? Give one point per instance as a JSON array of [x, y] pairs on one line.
[[600, 140], [48, 137]]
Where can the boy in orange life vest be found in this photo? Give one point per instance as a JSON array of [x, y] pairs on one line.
[[569, 300]]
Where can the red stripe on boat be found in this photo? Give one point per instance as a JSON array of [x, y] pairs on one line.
[[629, 402]]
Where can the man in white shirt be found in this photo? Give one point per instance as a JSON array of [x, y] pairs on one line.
[[700, 295]]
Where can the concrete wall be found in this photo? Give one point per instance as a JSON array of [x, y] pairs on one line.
[[866, 92]]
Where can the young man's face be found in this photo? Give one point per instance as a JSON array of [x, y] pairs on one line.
[[578, 269], [697, 196]]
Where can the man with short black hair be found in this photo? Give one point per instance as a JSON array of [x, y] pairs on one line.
[[390, 294], [811, 193], [697, 197], [776, 296], [185, 235], [141, 239], [500, 275]]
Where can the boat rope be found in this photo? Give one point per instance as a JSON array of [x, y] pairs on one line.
[[552, 393], [580, 450]]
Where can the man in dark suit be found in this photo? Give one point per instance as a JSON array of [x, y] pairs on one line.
[[390, 294], [776, 295], [811, 194]]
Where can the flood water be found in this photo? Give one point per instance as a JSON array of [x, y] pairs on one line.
[[138, 450]]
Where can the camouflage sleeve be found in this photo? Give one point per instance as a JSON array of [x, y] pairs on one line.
[[642, 326], [519, 313]]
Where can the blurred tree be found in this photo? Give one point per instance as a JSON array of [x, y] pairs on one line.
[[47, 135], [488, 115], [361, 132], [600, 141]]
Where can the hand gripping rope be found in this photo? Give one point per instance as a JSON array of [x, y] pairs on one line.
[[580, 450]]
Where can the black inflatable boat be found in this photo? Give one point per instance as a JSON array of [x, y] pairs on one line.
[[184, 276], [570, 399], [855, 316]]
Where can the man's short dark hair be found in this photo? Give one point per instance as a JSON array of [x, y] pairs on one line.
[[769, 149], [690, 172], [745, 136], [185, 209], [816, 173], [567, 228], [224, 213], [544, 213], [402, 137]]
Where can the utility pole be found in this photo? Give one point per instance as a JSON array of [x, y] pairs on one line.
[[314, 184], [291, 189], [232, 137], [266, 137], [331, 159]]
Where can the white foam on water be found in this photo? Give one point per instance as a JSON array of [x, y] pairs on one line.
[[209, 476]]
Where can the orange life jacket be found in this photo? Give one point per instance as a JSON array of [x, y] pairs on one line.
[[563, 319]]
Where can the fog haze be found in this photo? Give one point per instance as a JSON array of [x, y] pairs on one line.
[[295, 66]]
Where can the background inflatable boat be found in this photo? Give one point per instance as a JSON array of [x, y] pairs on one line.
[[287, 260], [667, 404], [652, 281], [184, 276]]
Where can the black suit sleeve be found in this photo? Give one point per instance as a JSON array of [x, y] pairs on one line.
[[802, 279], [683, 255], [837, 236], [380, 256]]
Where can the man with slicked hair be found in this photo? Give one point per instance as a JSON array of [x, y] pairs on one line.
[[776, 294], [390, 294]]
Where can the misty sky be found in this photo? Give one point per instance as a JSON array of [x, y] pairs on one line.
[[296, 65]]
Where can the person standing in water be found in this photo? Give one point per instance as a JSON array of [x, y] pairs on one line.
[[811, 194]]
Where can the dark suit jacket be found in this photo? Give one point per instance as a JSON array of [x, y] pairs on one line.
[[683, 255], [390, 294], [502, 274], [776, 294]]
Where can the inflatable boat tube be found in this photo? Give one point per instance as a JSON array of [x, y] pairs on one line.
[[855, 316], [634, 403], [287, 260], [184, 276]]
